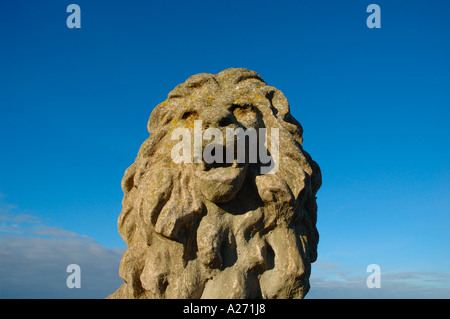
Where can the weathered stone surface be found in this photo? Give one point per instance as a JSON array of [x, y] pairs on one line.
[[221, 230]]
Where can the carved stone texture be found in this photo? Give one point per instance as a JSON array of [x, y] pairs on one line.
[[201, 230]]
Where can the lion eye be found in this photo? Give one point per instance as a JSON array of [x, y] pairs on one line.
[[246, 114], [244, 107], [239, 110], [189, 115], [242, 110], [225, 121]]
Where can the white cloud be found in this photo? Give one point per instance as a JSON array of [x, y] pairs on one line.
[[34, 258], [330, 280], [35, 267]]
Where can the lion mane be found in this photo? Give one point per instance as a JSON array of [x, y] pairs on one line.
[[189, 234]]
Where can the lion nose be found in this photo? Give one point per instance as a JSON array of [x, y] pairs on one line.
[[218, 118]]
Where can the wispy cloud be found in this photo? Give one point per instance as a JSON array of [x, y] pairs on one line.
[[35, 267], [34, 258], [332, 280], [14, 222], [7, 216], [6, 208]]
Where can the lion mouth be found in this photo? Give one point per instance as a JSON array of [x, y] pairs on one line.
[[220, 182], [214, 165], [222, 162], [221, 169]]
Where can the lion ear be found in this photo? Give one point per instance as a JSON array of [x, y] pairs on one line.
[[279, 106], [278, 102]]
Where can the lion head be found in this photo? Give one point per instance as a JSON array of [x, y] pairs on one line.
[[223, 229]]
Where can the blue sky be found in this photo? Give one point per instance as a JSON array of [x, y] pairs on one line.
[[374, 105]]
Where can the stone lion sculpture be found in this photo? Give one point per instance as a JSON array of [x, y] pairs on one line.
[[202, 230]]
